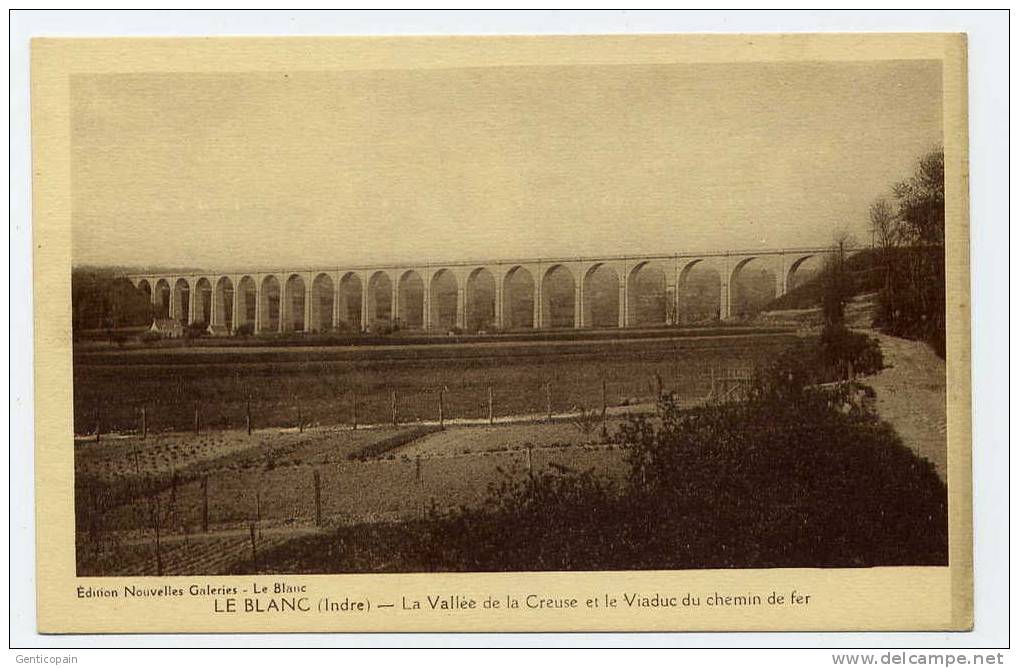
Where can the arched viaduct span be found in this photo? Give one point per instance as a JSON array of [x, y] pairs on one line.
[[468, 295]]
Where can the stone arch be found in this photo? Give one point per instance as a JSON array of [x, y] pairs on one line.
[[480, 300], [162, 299], [351, 301], [444, 298], [797, 274], [558, 297], [601, 296], [224, 312], [144, 287], [699, 292], [323, 297], [647, 296], [518, 299], [270, 296], [246, 293], [295, 316], [181, 300], [380, 300], [748, 293], [411, 300], [203, 301]]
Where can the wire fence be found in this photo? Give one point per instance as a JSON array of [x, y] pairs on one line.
[[159, 524], [265, 404]]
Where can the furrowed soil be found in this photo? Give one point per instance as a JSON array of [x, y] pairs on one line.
[[225, 497]]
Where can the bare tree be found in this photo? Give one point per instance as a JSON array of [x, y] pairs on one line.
[[836, 281], [884, 224], [886, 233]]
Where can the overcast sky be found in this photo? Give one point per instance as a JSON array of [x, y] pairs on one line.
[[332, 168]]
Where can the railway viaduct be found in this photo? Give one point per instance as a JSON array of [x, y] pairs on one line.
[[560, 292]]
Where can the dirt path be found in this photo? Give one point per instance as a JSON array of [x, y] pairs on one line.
[[911, 397]]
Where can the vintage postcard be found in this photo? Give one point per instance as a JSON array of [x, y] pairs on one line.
[[628, 333]]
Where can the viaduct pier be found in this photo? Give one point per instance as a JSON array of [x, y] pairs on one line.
[[493, 294]]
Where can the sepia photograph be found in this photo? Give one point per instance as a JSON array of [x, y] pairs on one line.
[[514, 318], [490, 333]]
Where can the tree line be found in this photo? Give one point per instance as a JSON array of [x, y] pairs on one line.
[[102, 299], [909, 236]]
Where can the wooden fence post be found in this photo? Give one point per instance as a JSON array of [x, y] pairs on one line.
[[442, 417], [145, 426], [247, 417], [491, 409], [604, 400], [548, 399], [300, 418], [421, 491], [530, 464], [99, 419], [318, 499], [205, 504], [159, 547], [395, 420], [258, 510], [197, 424], [353, 395], [254, 547]]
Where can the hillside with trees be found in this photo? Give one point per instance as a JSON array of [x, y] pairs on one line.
[[905, 265], [910, 237]]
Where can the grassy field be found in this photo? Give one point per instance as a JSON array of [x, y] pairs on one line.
[[128, 338], [319, 385]]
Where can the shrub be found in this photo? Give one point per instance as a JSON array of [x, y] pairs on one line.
[[585, 421], [343, 327], [247, 329], [824, 361], [196, 330], [841, 347], [774, 482], [383, 329]]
